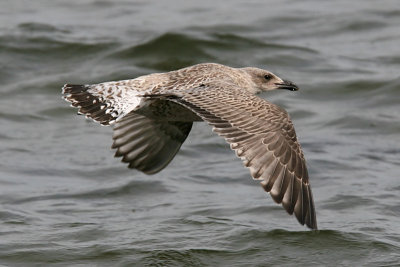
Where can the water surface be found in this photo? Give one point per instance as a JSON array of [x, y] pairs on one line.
[[64, 199]]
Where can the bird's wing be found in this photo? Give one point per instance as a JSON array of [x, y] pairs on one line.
[[147, 144], [263, 136]]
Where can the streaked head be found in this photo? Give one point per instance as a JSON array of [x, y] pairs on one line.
[[265, 80]]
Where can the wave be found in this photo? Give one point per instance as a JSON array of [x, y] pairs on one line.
[[171, 50]]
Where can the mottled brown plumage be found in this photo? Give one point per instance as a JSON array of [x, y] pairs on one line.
[[153, 115]]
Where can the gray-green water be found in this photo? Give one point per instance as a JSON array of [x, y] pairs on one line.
[[64, 199]]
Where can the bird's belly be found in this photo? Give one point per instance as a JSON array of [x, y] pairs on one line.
[[167, 111]]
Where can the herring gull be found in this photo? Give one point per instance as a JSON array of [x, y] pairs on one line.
[[153, 115]]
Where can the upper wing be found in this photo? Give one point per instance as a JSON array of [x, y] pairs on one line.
[[263, 136]]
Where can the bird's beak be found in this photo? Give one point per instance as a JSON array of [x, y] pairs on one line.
[[288, 85]]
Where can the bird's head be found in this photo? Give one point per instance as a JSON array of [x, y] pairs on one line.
[[266, 81]]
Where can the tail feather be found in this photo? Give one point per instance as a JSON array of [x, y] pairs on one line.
[[104, 103], [90, 105]]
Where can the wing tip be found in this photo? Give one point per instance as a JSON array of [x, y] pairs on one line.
[[304, 209], [305, 214]]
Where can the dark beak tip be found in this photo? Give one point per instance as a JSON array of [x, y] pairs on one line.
[[288, 85]]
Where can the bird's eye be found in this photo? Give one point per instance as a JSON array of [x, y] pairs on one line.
[[268, 77]]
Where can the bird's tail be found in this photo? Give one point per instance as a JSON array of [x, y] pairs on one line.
[[105, 103]]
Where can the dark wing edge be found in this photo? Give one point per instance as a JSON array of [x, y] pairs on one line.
[[274, 156]]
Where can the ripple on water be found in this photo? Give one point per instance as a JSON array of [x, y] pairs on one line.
[[169, 51], [132, 189], [257, 247], [341, 202]]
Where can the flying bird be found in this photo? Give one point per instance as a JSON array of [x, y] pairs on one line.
[[153, 114]]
